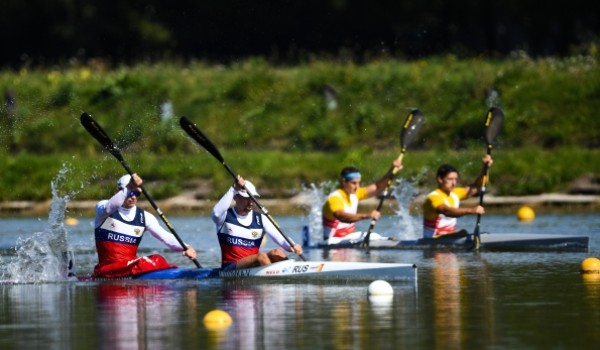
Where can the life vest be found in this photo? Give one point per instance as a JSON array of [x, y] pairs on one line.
[[441, 224], [117, 242], [238, 241], [333, 227]]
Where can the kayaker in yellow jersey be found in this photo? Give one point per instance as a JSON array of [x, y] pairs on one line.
[[442, 206], [340, 210]]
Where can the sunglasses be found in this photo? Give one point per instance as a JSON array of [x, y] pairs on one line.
[[133, 193]]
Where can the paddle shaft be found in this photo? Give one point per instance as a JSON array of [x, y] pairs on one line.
[[493, 124], [98, 133], [365, 241], [482, 190], [193, 131]]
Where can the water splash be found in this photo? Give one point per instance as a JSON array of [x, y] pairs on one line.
[[409, 226], [45, 256], [493, 98], [316, 194], [404, 192]]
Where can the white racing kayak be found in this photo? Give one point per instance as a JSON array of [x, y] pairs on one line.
[[292, 269]]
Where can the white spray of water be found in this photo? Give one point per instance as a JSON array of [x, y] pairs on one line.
[[315, 197], [404, 191], [409, 227], [44, 256]]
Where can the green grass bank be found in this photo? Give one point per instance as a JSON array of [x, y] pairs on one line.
[[287, 126]]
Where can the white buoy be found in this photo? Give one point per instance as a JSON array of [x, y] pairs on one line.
[[380, 287]]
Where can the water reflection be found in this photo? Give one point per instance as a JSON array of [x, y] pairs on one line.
[[269, 316], [135, 316], [446, 300], [244, 306], [32, 311], [461, 283], [591, 282], [342, 254], [381, 309]]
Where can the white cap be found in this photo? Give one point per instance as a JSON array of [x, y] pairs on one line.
[[250, 188], [123, 181]]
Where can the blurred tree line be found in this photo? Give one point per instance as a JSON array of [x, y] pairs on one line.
[[48, 32]]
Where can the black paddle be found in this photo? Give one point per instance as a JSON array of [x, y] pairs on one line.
[[493, 125], [410, 128], [99, 134], [195, 133]]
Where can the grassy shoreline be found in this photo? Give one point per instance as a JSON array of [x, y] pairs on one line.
[[516, 172], [187, 206], [274, 125]]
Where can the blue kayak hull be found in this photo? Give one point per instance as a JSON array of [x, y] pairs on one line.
[[179, 273]]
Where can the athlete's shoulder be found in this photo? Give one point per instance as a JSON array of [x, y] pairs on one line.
[[461, 192]]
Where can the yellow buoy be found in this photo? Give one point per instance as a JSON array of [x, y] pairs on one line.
[[590, 265], [525, 214], [217, 320], [71, 221]]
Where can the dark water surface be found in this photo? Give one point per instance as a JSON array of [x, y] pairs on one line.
[[462, 300]]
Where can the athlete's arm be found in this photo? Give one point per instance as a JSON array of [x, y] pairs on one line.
[[160, 233], [274, 233], [344, 216], [105, 208], [458, 212], [220, 210]]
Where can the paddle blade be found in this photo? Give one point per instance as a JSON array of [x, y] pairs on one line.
[[92, 126], [195, 133], [493, 125], [412, 125]]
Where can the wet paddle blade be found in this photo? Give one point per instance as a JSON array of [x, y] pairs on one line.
[[192, 130], [412, 125], [493, 124], [92, 126]]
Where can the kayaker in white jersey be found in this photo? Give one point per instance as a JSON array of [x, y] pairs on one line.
[[442, 206], [119, 227], [240, 230], [340, 210]]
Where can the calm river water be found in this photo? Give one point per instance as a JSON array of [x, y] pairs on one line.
[[462, 300]]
